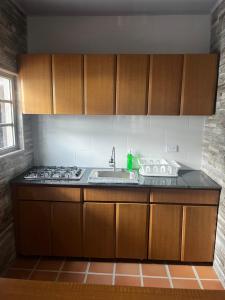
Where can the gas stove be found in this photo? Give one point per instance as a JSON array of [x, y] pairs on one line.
[[54, 173]]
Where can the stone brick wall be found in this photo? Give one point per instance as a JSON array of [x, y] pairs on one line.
[[13, 34], [213, 160], [12, 42]]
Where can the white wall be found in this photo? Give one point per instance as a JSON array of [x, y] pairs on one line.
[[86, 140], [177, 33]]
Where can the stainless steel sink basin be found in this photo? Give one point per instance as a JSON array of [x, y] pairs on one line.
[[116, 174], [110, 176]]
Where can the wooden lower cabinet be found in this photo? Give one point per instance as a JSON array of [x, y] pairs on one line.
[[34, 227], [99, 230], [165, 232], [198, 238], [49, 228], [55, 222], [46, 193], [66, 229], [117, 195], [131, 230], [182, 233]]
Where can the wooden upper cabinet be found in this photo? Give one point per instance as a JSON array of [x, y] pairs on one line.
[[132, 84], [99, 84], [36, 83], [199, 84], [198, 233], [67, 71], [165, 84]]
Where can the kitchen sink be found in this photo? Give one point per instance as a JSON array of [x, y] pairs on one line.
[[110, 176]]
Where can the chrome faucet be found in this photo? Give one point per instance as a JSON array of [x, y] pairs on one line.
[[112, 161]]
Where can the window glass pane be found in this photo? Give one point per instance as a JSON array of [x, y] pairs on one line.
[[5, 88], [6, 113], [7, 137]]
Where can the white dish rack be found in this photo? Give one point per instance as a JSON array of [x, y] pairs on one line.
[[158, 167]]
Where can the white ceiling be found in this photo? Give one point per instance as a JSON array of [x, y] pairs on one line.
[[115, 7]]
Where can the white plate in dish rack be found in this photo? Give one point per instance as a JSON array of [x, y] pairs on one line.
[[158, 167]]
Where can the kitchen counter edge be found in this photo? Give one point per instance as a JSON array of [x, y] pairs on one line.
[[187, 179]]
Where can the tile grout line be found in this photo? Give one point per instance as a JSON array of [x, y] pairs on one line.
[[169, 276], [197, 277], [34, 268], [141, 274], [114, 274], [60, 269], [186, 278], [207, 279], [86, 272]]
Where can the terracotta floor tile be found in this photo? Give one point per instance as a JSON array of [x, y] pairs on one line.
[[75, 266], [43, 276], [101, 267], [156, 282], [212, 285], [154, 270], [49, 264], [128, 281], [17, 274], [206, 272], [125, 268], [185, 284], [181, 271], [24, 262], [99, 279], [71, 277]]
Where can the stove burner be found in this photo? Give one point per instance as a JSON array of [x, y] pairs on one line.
[[55, 173]]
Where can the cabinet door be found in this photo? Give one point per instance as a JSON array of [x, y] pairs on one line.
[[131, 231], [66, 229], [165, 84], [132, 84], [99, 84], [199, 84], [99, 230], [198, 233], [165, 232], [34, 228], [67, 83], [36, 83]]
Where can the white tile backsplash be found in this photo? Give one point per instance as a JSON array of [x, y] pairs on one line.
[[88, 140]]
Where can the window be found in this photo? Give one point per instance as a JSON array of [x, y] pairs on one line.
[[8, 140]]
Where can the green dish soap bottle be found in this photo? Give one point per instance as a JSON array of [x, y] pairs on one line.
[[130, 161]]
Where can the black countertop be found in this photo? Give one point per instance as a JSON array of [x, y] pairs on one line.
[[187, 179]]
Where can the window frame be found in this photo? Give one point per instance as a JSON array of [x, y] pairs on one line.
[[13, 77]]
